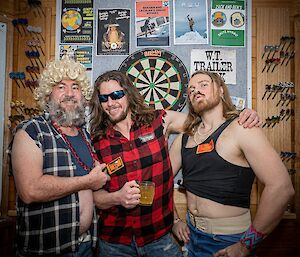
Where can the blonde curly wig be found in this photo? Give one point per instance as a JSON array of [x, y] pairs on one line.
[[58, 70]]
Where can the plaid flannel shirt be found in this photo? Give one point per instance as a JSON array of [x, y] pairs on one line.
[[50, 228], [145, 157]]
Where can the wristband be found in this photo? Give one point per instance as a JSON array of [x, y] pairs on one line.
[[251, 238]]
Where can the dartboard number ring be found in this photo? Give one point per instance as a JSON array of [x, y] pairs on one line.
[[160, 76]]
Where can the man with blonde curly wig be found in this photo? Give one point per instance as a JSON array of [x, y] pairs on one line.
[[54, 168]]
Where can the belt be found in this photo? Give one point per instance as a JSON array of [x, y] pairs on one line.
[[85, 237], [222, 226]]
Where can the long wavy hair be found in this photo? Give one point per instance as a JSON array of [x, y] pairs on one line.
[[229, 111], [141, 113], [58, 70]]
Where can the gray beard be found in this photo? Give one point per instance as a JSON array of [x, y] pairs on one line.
[[65, 118]]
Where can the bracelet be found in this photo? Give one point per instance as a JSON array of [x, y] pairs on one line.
[[176, 220], [251, 238]]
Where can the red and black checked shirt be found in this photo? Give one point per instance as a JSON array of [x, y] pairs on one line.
[[145, 157]]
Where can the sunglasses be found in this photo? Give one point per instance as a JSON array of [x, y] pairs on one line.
[[113, 95]]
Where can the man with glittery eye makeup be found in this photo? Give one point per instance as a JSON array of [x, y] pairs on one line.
[[55, 170], [133, 136], [219, 161]]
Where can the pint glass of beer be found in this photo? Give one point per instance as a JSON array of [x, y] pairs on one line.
[[147, 189]]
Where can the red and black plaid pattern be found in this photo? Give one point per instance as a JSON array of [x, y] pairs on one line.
[[145, 157]]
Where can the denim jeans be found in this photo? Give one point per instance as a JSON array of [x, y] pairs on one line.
[[163, 247], [205, 245], [85, 250]]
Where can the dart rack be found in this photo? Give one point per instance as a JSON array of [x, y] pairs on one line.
[[272, 24], [22, 102]]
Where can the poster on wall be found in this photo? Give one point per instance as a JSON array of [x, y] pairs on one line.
[[190, 22], [152, 26], [80, 53], [221, 61], [228, 23], [238, 102], [113, 31], [77, 18]]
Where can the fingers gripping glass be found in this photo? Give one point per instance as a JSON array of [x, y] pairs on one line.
[[113, 95]]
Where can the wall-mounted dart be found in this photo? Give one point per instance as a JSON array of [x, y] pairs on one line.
[[286, 156], [276, 62], [30, 30], [36, 44], [33, 70], [275, 50], [23, 22], [284, 40], [266, 50], [18, 77], [30, 56], [31, 84], [34, 55], [272, 60], [36, 4], [267, 63], [16, 25], [291, 114], [283, 113], [272, 90], [291, 41], [291, 97], [291, 56], [38, 30], [267, 89], [267, 122]]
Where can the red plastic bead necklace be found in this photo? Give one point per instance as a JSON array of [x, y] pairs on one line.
[[73, 151]]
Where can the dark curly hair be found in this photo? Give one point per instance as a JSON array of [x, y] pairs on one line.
[[141, 113]]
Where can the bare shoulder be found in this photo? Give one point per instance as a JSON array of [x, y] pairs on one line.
[[23, 142], [247, 135]]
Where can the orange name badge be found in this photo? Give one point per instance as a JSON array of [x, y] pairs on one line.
[[205, 148], [115, 165]]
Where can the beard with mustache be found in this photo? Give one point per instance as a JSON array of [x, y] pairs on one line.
[[205, 104], [67, 118], [122, 116]]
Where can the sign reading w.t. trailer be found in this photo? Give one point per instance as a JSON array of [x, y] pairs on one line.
[[221, 61]]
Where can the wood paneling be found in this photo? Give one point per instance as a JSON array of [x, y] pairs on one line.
[[18, 62], [7, 111], [297, 113]]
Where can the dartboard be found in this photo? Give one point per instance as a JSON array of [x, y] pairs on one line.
[[160, 76]]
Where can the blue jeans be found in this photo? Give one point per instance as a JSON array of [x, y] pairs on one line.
[[85, 250], [163, 247], [206, 245]]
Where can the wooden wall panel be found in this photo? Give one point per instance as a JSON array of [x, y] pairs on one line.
[[7, 111], [297, 115], [275, 23], [7, 8], [19, 62]]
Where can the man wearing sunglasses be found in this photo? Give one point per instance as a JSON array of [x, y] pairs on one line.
[[124, 128]]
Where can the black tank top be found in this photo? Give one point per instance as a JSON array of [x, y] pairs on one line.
[[209, 176]]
